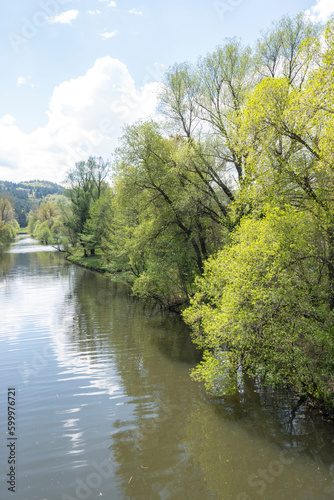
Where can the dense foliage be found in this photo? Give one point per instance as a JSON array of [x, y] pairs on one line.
[[265, 303], [25, 195], [8, 224], [224, 208], [83, 218], [44, 222]]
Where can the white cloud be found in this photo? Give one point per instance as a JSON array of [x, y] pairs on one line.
[[94, 12], [7, 120], [321, 11], [85, 117], [110, 4], [136, 12], [64, 18], [22, 81], [110, 34]]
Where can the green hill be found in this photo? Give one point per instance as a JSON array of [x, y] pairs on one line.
[[24, 195]]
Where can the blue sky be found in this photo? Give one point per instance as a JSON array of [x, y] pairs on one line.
[[75, 71]]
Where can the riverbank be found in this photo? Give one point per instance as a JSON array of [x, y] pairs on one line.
[[94, 263], [85, 344]]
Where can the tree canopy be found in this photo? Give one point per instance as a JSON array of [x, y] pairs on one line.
[[265, 303], [223, 208]]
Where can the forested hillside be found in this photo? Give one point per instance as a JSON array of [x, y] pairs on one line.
[[24, 195]]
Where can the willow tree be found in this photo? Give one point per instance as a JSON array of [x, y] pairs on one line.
[[261, 308], [43, 221], [265, 303], [289, 49], [165, 221], [203, 102], [288, 136]]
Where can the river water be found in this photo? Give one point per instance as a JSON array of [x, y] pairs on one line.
[[105, 407]]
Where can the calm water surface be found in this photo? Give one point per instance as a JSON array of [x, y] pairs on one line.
[[106, 408]]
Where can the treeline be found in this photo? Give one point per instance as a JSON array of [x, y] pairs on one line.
[[79, 220], [24, 195], [224, 208]]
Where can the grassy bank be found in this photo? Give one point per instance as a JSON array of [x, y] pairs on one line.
[[95, 263]]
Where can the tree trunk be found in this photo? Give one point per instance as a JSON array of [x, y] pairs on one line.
[[331, 267], [199, 258]]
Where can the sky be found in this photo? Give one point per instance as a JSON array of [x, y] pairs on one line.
[[74, 72]]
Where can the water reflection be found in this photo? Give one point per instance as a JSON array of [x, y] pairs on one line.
[[26, 244], [174, 439], [105, 396], [255, 454], [6, 261], [111, 333]]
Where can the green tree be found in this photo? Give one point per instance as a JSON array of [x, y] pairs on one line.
[[99, 219], [8, 224], [287, 137], [289, 49], [265, 303], [42, 232], [42, 222], [86, 182], [7, 213], [204, 102], [48, 212], [166, 230], [261, 308]]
